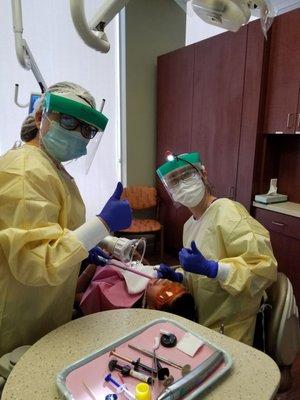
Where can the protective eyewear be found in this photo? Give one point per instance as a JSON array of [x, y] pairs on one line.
[[185, 175], [167, 294], [71, 123]]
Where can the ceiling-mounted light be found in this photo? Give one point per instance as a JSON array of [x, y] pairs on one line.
[[232, 14]]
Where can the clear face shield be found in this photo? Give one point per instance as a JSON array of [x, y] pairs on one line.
[[75, 131], [182, 178]]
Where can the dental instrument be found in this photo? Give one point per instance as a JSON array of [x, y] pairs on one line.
[[184, 385], [185, 369], [137, 364], [124, 266], [124, 249], [120, 388], [126, 370]]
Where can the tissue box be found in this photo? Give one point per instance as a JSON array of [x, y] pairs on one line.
[[270, 198]]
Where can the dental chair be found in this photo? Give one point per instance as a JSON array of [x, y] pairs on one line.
[[282, 341]]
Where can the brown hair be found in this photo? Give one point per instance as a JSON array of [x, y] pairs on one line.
[[29, 130]]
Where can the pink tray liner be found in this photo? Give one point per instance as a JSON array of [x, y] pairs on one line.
[[93, 372]]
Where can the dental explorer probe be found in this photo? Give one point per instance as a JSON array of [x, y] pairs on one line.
[[185, 369], [121, 265], [133, 270]]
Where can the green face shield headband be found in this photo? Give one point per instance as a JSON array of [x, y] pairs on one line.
[[77, 110], [180, 161], [183, 169]]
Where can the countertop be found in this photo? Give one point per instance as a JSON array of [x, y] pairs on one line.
[[253, 375], [287, 207]]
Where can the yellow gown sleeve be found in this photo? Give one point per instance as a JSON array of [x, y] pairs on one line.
[[250, 255], [36, 246]]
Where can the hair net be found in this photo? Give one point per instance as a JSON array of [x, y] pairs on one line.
[[67, 88], [29, 129]]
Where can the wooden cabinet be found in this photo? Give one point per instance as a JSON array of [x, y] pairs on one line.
[[282, 113], [217, 107], [204, 92], [285, 238]]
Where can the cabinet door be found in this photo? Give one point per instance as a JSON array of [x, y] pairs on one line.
[[217, 107], [174, 121], [283, 74], [285, 238]]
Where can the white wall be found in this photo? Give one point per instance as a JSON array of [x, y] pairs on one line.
[[61, 55], [153, 27], [196, 29]]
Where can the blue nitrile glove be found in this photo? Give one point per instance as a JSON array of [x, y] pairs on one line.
[[193, 261], [166, 272], [97, 257], [116, 213]]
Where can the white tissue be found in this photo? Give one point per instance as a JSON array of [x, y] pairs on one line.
[[189, 344], [273, 187]]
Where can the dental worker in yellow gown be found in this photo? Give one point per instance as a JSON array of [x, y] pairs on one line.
[[43, 232], [227, 255]]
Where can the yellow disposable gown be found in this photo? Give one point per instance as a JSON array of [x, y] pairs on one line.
[[39, 255], [228, 234]]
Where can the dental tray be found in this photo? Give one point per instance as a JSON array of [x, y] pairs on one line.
[[84, 379]]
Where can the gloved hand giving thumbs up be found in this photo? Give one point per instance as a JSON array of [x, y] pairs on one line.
[[116, 213], [194, 261]]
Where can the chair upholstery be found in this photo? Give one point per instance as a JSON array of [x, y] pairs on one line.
[[282, 328], [144, 198], [143, 226], [140, 197], [283, 334]]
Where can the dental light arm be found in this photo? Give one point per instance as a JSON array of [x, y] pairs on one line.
[[227, 14], [92, 33], [24, 55]]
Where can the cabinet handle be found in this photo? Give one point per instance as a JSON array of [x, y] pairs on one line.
[[298, 121], [231, 192], [289, 117], [277, 223]]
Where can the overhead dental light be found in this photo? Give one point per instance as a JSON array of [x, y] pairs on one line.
[[232, 14], [227, 14]]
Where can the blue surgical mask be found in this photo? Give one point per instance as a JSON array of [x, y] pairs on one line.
[[64, 145]]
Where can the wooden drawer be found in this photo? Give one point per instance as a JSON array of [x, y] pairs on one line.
[[276, 222]]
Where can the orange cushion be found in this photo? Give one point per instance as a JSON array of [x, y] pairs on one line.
[[143, 225], [140, 197]]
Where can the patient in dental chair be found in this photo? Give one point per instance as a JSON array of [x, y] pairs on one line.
[[108, 288]]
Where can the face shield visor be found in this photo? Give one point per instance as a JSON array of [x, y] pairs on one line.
[[78, 125], [182, 179]]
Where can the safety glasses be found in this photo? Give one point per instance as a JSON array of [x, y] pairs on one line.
[[173, 179], [167, 294], [71, 123]]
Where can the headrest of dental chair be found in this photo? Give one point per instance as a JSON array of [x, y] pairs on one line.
[[282, 333]]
